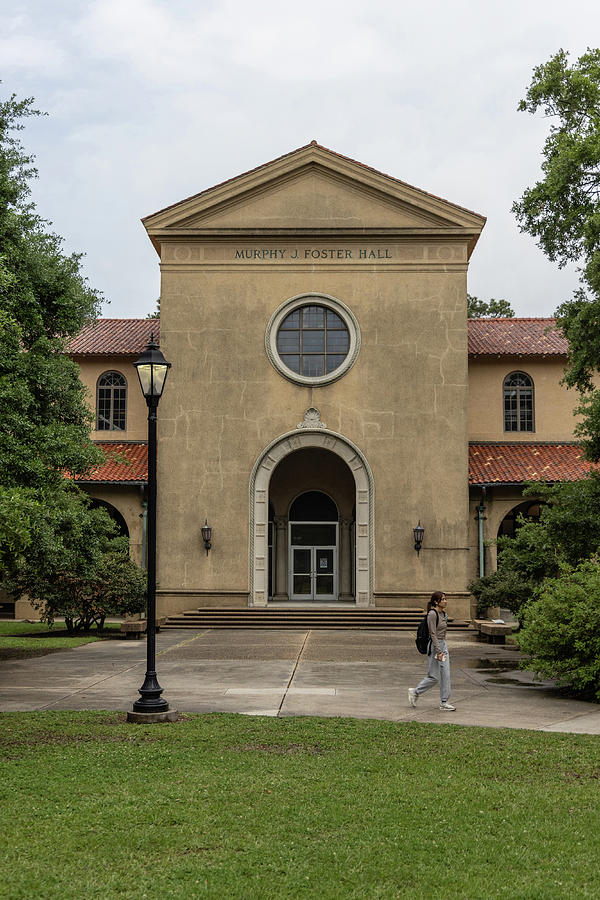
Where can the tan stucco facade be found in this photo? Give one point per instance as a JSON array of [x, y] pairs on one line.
[[317, 226], [92, 370], [385, 436], [553, 403]]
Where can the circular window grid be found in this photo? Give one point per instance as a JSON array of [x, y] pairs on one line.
[[290, 306]]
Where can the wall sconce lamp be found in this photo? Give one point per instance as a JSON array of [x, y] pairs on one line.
[[418, 533], [207, 535]]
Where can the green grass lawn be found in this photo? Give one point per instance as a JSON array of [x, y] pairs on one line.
[[25, 639], [233, 806]]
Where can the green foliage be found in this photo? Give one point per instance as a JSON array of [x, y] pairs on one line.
[[561, 630], [562, 210], [156, 313], [53, 547], [78, 568], [523, 561], [568, 533], [587, 430], [488, 309]]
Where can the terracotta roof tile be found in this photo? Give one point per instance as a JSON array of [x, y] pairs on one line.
[[487, 337], [114, 337], [134, 468], [520, 462], [515, 337], [489, 463]]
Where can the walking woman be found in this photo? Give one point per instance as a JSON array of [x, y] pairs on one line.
[[438, 669]]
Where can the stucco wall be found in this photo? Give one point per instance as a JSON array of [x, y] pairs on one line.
[[554, 404], [91, 368], [403, 404]]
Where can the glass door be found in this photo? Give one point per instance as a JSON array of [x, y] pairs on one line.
[[302, 569], [324, 572], [313, 568]]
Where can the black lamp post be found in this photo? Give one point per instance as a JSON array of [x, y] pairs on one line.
[[152, 369]]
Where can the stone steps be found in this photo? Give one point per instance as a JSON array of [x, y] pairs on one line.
[[298, 617]]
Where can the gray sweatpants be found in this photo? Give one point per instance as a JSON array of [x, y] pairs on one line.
[[437, 671]]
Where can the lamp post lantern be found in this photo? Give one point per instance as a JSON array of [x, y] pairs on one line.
[[418, 533], [152, 369]]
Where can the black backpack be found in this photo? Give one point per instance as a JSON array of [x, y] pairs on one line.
[[423, 639]]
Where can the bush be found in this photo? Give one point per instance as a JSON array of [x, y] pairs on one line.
[[568, 532], [524, 561], [561, 628], [81, 570]]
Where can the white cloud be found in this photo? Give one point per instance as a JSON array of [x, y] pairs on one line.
[[153, 100], [21, 49]]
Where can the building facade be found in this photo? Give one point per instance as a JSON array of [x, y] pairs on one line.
[[327, 395]]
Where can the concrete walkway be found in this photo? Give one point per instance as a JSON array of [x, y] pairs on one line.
[[362, 674]]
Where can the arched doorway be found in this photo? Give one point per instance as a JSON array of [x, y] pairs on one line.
[[285, 482]]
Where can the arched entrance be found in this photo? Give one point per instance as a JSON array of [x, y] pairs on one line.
[[310, 474]]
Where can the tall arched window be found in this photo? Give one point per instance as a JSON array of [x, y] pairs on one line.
[[518, 402], [111, 405]]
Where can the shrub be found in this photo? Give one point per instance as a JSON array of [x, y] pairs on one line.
[[561, 628], [82, 570]]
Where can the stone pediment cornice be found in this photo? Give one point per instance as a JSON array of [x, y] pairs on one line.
[[313, 191]]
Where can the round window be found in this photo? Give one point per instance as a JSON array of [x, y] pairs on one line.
[[312, 339]]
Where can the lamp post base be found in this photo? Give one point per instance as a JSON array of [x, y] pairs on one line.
[[150, 700], [149, 718]]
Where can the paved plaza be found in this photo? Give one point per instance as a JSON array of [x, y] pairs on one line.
[[301, 672]]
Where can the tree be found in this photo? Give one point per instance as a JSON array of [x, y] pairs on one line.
[[44, 418], [156, 313], [567, 533], [562, 211], [490, 309]]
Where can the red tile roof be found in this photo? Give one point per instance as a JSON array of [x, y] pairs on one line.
[[126, 462], [114, 337], [520, 462], [487, 337], [515, 337], [489, 463]]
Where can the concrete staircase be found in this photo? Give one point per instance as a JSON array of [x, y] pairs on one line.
[[303, 617]]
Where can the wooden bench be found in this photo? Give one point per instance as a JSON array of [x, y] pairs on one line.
[[136, 629], [492, 632]]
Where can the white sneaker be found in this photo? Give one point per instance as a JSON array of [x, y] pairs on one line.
[[412, 696], [447, 706]]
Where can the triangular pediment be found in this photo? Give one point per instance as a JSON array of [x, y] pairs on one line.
[[312, 188]]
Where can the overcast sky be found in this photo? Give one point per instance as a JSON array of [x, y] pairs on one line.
[[151, 101]]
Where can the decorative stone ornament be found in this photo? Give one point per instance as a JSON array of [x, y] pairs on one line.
[[312, 419]]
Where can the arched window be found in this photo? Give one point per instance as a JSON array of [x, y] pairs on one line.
[[518, 402], [111, 404], [313, 506]]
